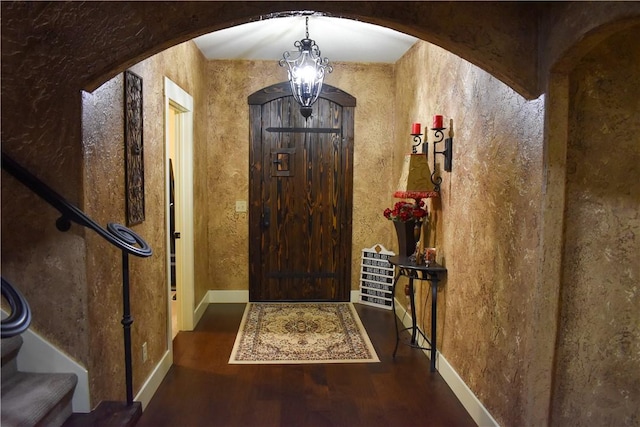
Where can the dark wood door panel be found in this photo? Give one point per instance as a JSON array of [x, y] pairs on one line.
[[300, 193]]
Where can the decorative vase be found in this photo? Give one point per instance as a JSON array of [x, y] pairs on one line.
[[406, 237]]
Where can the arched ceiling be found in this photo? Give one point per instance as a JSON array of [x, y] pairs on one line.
[[344, 40]]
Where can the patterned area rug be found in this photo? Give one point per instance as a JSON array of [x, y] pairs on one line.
[[302, 333]]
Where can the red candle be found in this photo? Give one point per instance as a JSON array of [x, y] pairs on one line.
[[437, 122], [415, 129]]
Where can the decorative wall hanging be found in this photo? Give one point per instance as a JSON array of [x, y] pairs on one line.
[[133, 152]]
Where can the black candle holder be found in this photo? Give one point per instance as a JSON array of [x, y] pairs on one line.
[[438, 134], [417, 139]]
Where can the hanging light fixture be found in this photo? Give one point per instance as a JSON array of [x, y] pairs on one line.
[[306, 72]]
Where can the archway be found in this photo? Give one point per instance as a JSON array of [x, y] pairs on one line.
[[489, 36], [591, 205]]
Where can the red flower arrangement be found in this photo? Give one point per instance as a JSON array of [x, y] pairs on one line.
[[405, 212]]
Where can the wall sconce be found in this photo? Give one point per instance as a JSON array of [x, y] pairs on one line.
[[306, 72], [438, 130]]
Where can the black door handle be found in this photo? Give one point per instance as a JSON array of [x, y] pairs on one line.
[[176, 234], [266, 217]]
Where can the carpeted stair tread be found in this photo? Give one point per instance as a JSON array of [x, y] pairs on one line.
[[32, 398]]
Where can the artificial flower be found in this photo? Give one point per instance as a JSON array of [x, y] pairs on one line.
[[406, 211]]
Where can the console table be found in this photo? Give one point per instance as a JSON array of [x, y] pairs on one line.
[[408, 268]]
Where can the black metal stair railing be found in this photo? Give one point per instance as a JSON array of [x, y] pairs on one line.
[[19, 317], [118, 235]]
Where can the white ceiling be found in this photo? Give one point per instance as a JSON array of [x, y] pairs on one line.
[[339, 39]]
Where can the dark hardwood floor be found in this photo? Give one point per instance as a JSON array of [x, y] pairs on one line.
[[202, 389]]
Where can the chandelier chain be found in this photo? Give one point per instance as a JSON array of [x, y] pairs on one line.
[[307, 26]]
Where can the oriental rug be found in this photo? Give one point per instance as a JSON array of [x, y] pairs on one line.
[[289, 333]]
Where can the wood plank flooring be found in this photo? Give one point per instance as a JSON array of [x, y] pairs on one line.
[[202, 389]]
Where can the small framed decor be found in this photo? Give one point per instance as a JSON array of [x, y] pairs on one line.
[[133, 152], [376, 277]]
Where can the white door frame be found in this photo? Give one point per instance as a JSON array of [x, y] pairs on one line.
[[175, 96]]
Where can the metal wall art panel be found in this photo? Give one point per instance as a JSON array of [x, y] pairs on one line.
[[134, 161]]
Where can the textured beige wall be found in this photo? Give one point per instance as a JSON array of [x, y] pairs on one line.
[[227, 150], [598, 355], [103, 144], [485, 224], [373, 86], [229, 83], [40, 130]]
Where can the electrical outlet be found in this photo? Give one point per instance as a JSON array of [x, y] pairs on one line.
[[241, 205], [144, 351]]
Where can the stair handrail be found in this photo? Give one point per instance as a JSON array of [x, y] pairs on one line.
[[116, 234], [19, 318]]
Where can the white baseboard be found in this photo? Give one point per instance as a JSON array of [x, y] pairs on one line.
[[39, 355], [471, 403], [221, 297], [153, 381], [200, 309]]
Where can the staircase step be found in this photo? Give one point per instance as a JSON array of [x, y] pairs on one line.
[[30, 399], [108, 414], [10, 348]]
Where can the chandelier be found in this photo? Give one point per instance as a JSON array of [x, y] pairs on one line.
[[306, 72]]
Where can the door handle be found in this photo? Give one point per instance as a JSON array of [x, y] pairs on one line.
[[266, 217], [176, 234]]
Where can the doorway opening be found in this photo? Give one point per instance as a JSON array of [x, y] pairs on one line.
[[173, 124], [179, 209]]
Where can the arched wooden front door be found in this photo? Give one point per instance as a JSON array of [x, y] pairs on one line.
[[300, 196]]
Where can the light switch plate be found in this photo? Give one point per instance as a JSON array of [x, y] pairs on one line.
[[241, 205]]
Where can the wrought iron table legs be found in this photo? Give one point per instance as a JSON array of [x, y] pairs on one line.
[[433, 278]]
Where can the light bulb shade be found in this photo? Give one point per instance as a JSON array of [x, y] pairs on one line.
[[415, 181], [306, 73]]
